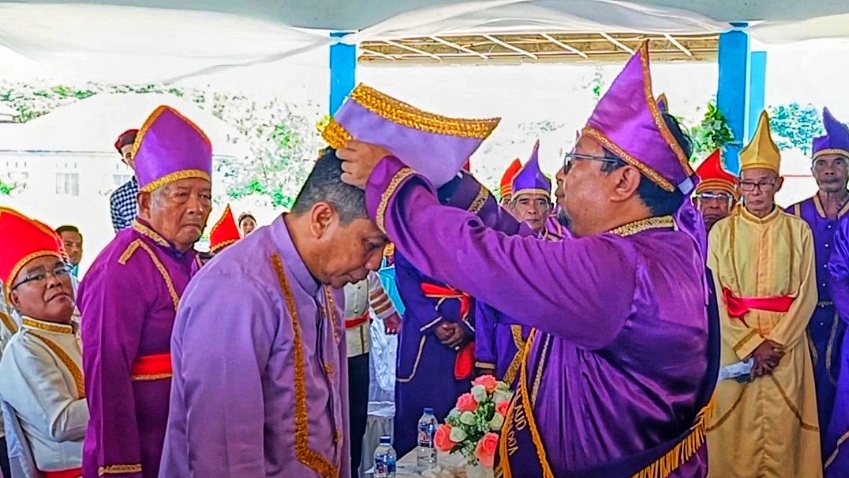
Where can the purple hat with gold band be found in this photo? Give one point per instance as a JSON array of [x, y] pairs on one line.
[[835, 140], [170, 147], [435, 146], [530, 179], [628, 122]]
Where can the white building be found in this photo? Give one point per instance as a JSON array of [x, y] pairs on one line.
[[69, 165]]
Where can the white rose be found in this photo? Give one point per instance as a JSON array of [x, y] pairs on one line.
[[499, 385], [457, 434], [501, 395], [495, 424], [479, 392], [467, 418], [454, 413]]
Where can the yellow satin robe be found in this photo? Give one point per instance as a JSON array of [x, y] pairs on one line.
[[768, 427]]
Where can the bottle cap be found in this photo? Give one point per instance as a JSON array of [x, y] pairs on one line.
[[385, 440], [428, 411]]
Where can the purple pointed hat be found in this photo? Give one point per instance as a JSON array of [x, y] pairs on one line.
[[836, 137], [662, 103], [627, 122], [530, 179], [435, 146], [170, 147]]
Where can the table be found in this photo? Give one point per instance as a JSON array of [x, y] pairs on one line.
[[448, 466]]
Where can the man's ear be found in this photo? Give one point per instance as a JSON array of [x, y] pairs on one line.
[[627, 180], [322, 215], [144, 200], [779, 183]]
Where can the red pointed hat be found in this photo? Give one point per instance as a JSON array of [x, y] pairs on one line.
[[506, 190], [714, 176], [25, 239], [224, 233]]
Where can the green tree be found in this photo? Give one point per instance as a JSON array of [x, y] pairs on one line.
[[279, 141], [795, 125], [712, 133]]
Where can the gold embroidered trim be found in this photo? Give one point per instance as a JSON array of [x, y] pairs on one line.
[[541, 192], [222, 245], [631, 228], [303, 453], [150, 233], [20, 265], [657, 116], [119, 469], [330, 307], [394, 183], [526, 405], [48, 326], [792, 407], [823, 152], [416, 363], [335, 135], [138, 243], [620, 153], [681, 453], [829, 349], [723, 418], [479, 201], [175, 176], [720, 184], [486, 365], [10, 324], [538, 378], [510, 374], [407, 115], [149, 377], [836, 451], [745, 339], [152, 119], [69, 363]]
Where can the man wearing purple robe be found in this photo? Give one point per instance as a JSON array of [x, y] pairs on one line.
[[822, 212], [129, 298], [260, 369], [619, 371], [499, 340]]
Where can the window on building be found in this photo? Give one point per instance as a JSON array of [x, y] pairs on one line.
[[119, 179], [68, 184]]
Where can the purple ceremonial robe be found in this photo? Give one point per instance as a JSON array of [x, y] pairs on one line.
[[619, 357], [835, 444], [425, 367], [498, 342], [825, 329], [128, 301], [260, 370]]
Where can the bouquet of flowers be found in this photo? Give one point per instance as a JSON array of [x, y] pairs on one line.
[[473, 426]]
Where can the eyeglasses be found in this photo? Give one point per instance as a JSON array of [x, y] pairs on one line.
[[763, 186], [39, 277], [718, 197], [569, 158]]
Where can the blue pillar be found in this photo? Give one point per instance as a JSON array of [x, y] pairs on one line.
[[343, 68], [757, 90], [732, 95]]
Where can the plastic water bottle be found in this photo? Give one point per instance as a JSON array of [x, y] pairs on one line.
[[384, 459], [426, 453]]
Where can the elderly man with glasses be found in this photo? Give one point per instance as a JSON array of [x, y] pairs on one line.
[[41, 370], [716, 194], [763, 265]]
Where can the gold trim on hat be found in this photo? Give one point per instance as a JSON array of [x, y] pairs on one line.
[[152, 119], [335, 135], [175, 176], [20, 265], [823, 152], [539, 191], [624, 156], [721, 184]]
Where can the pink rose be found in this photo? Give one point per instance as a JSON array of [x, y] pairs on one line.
[[502, 407], [442, 438], [487, 381], [485, 451], [467, 403]]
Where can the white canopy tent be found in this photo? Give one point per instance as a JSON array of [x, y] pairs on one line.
[[164, 42]]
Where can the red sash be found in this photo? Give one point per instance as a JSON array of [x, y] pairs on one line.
[[444, 292], [357, 321], [464, 364], [75, 473], [738, 307], [152, 367]]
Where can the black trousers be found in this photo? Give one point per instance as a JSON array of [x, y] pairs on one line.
[[4, 459], [358, 384]]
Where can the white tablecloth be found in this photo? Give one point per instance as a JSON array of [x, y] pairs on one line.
[[448, 466]]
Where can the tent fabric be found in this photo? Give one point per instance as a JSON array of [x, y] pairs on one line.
[[122, 41]]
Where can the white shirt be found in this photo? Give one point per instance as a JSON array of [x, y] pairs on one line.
[[360, 299], [41, 378]]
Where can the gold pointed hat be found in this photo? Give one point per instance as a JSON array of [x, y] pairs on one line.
[[761, 152]]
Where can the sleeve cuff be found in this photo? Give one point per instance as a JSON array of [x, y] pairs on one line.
[[748, 344], [385, 181]]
